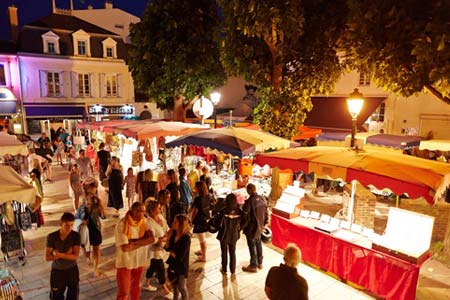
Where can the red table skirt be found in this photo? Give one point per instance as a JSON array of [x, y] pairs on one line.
[[386, 276]]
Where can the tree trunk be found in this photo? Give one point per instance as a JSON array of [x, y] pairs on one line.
[[179, 110], [272, 41], [437, 94]]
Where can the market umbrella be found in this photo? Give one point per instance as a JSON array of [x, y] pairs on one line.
[[14, 187], [9, 144], [232, 140], [159, 128], [398, 172]]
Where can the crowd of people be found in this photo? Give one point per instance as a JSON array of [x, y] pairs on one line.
[[163, 213]]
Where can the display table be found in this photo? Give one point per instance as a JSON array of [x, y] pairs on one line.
[[386, 276]]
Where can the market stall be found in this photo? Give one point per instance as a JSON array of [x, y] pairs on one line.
[[388, 277], [399, 173], [15, 193], [349, 249], [369, 140], [233, 145]]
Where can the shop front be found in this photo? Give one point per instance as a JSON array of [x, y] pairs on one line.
[[100, 112], [10, 116], [44, 117]]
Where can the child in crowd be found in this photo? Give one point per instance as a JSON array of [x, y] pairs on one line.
[[130, 181]]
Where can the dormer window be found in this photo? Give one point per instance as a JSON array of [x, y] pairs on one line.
[[50, 42], [109, 48], [51, 47], [81, 43], [109, 52], [81, 47]]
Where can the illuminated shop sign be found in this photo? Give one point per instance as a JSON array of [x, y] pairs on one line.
[[111, 110]]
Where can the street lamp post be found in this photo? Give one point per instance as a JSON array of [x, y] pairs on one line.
[[355, 102], [215, 99]]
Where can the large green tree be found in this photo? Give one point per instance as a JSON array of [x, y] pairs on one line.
[[288, 48], [173, 54], [404, 44]]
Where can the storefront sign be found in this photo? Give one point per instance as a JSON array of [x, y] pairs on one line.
[[111, 110]]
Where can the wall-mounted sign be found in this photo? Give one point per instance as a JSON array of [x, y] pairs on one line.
[[111, 109]]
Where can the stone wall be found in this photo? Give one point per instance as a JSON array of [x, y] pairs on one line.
[[364, 205]]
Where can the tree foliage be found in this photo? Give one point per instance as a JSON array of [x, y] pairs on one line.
[[173, 54], [288, 48], [404, 44]]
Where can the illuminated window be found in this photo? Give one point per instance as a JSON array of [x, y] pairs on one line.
[[84, 87], [53, 84], [111, 85]]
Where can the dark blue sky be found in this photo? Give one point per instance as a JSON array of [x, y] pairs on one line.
[[30, 10]]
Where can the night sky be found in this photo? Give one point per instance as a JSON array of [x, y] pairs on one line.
[[30, 10]]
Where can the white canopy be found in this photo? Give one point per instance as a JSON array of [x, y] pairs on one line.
[[9, 144], [14, 187]]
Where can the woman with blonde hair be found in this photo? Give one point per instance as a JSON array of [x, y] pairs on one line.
[[178, 245]]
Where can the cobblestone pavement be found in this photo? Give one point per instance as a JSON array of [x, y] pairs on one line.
[[205, 280]]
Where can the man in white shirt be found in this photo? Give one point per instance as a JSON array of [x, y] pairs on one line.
[[84, 165], [132, 235]]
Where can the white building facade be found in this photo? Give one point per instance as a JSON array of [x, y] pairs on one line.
[[71, 69]]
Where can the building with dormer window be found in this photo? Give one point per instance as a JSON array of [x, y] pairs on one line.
[[69, 68]]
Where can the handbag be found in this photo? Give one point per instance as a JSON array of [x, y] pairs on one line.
[[24, 217], [105, 182], [11, 238], [148, 151], [215, 223]]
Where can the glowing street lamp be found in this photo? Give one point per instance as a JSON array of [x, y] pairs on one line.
[[355, 102], [215, 99]]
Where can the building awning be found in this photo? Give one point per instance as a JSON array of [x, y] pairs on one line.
[[55, 111], [332, 112], [7, 107]]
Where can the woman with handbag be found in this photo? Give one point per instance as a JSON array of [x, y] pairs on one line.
[[229, 226], [200, 214], [178, 245]]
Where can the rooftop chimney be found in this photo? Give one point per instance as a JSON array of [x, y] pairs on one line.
[[13, 22], [108, 4], [71, 5], [53, 6]]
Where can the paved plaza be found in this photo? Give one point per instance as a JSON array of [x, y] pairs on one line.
[[205, 280]]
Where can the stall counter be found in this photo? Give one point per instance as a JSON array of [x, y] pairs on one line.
[[386, 276]]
